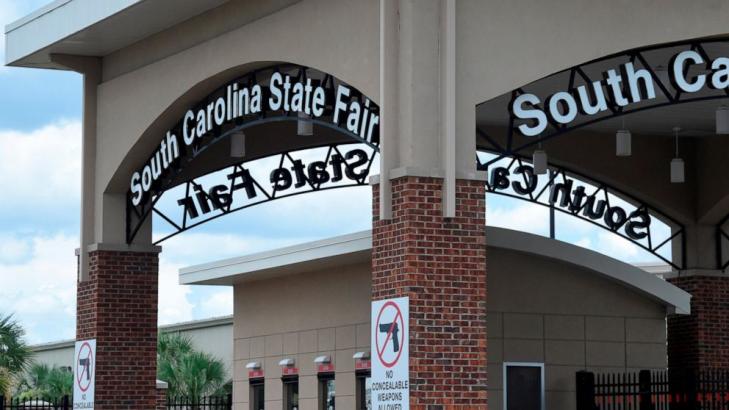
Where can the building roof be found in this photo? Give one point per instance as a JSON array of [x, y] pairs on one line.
[[357, 247], [174, 327], [337, 251], [92, 27]]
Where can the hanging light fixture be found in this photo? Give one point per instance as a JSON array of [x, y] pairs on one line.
[[678, 174], [722, 120], [304, 126], [238, 144], [623, 143], [539, 161]]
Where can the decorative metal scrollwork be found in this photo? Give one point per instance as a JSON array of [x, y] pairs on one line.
[[591, 201]]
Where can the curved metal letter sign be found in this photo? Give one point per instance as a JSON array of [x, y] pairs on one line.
[[271, 95]]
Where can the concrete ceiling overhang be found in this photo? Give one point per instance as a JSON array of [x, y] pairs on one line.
[[695, 118], [357, 248], [587, 144], [92, 27]]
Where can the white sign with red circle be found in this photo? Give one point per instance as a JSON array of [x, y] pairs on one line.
[[84, 374], [390, 354]]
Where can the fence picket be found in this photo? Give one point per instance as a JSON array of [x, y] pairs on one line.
[[653, 390], [221, 402]]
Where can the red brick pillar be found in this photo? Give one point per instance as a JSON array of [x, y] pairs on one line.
[[162, 398], [117, 306], [701, 340], [440, 263]]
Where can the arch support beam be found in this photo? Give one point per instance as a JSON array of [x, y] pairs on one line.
[[90, 68], [418, 99]]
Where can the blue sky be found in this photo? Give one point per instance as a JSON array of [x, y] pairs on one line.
[[39, 213]]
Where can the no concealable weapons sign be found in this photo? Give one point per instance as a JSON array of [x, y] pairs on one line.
[[84, 374], [390, 354]]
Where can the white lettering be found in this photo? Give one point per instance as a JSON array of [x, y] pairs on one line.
[[680, 71], [529, 114]]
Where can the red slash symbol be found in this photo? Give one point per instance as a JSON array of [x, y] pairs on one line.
[[392, 332], [83, 367]]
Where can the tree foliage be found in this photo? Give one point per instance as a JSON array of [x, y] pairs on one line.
[[15, 355], [43, 381], [188, 372]]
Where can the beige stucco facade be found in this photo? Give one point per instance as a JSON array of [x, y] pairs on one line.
[[541, 309], [302, 316]]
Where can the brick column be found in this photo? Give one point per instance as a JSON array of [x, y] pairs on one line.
[[117, 306], [441, 265], [701, 340], [162, 398]]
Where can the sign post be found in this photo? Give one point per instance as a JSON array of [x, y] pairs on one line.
[[390, 354], [84, 374]]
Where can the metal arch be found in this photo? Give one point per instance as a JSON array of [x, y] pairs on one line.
[[510, 146], [601, 190], [136, 215], [181, 221]]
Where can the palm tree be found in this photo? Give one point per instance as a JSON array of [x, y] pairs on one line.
[[42, 381], [187, 371], [15, 355]]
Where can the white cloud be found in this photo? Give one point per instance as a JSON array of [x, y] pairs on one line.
[[41, 290], [616, 246], [522, 217], [13, 249], [220, 303], [200, 247], [584, 242], [174, 304], [41, 166]]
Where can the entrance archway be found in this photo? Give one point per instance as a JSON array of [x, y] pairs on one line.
[[266, 117]]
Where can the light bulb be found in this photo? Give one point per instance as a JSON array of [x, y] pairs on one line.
[[539, 161], [623, 144], [722, 120], [238, 145], [304, 126], [678, 175]]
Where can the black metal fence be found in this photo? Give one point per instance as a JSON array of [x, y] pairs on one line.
[[62, 403], [654, 390], [200, 403], [66, 403]]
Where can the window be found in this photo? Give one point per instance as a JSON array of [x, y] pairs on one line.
[[326, 391], [291, 392], [256, 396], [364, 391], [523, 386]]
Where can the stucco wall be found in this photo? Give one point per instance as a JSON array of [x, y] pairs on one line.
[[302, 317], [58, 354], [214, 340], [540, 310], [544, 311]]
